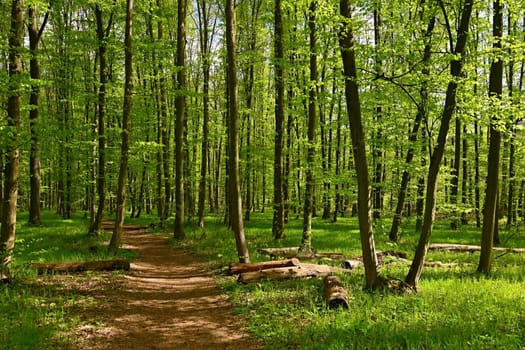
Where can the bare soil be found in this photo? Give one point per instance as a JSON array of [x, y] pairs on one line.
[[168, 300]]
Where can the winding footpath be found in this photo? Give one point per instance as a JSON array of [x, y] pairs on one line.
[[168, 300]]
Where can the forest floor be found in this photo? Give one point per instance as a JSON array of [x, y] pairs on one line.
[[168, 300]]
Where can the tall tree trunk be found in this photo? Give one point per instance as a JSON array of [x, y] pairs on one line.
[[202, 7], [435, 161], [278, 200], [180, 105], [477, 192], [11, 170], [102, 35], [491, 190], [366, 233], [454, 181], [35, 34], [126, 130], [306, 241], [235, 212], [377, 152], [464, 176]]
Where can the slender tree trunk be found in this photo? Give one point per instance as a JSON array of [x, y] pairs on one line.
[[278, 200], [11, 169], [377, 152], [435, 161], [180, 105], [454, 181], [477, 192], [34, 157], [126, 130], [491, 192], [102, 35], [236, 218], [202, 7], [306, 241], [346, 41], [465, 176]]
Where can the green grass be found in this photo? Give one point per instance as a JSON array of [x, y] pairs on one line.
[[455, 308], [36, 315]]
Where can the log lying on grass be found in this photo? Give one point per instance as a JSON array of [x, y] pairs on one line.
[[66, 267], [282, 273], [471, 248], [293, 252], [335, 293], [238, 268]]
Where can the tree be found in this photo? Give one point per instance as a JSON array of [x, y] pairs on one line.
[[102, 36], [11, 167], [353, 108], [180, 105], [306, 241], [449, 107], [235, 212], [35, 33], [491, 190], [278, 186], [204, 39], [126, 130]]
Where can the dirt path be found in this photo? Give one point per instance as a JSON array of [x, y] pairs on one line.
[[168, 300]]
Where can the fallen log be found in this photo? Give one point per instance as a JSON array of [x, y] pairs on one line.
[[238, 268], [70, 267], [293, 252], [279, 252], [336, 294], [282, 273], [351, 264], [471, 248]]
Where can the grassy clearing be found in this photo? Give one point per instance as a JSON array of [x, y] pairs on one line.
[[35, 314], [456, 308]]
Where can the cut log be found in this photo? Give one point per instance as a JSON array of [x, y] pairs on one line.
[[69, 267], [335, 293], [351, 264], [282, 273], [238, 268], [471, 248]]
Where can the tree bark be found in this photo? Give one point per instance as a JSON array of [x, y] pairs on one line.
[[336, 294], [346, 42], [490, 215], [180, 105], [235, 212], [204, 37], [238, 268], [283, 273], [116, 237], [35, 33], [11, 167], [306, 240], [435, 161], [102, 35], [278, 200]]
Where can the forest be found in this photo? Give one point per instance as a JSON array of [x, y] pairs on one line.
[[381, 141]]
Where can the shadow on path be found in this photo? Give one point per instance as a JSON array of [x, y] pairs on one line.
[[168, 300]]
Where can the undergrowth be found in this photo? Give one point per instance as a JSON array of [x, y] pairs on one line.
[[33, 313], [455, 308]]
